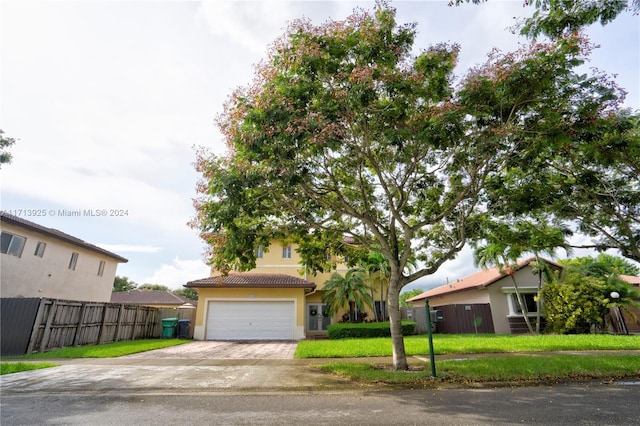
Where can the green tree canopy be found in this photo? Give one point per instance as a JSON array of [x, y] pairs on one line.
[[345, 133], [603, 265], [153, 287], [405, 295], [123, 284], [188, 293], [5, 143], [556, 18]]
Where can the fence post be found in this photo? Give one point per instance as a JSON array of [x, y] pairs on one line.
[[47, 327], [135, 323], [105, 308], [36, 325], [76, 337], [116, 337]]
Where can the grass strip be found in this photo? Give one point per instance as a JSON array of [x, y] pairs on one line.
[[17, 367], [106, 350], [460, 343], [553, 368]]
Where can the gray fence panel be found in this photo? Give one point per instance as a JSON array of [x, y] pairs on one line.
[[40, 325], [17, 316]]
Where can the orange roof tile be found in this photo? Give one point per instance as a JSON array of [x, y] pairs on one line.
[[479, 279], [252, 280]]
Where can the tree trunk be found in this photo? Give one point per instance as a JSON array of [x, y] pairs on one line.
[[397, 340]]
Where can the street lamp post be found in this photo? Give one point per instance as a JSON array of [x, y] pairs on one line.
[[432, 358]]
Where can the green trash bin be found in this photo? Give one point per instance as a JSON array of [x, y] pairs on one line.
[[169, 327]]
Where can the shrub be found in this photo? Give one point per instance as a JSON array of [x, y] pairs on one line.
[[373, 329]]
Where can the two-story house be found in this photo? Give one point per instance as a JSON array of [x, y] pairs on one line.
[[277, 300], [37, 261]]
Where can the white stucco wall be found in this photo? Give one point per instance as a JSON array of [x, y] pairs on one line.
[[500, 290], [50, 276]]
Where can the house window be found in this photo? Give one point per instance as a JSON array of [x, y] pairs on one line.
[[528, 301], [40, 249], [101, 268], [381, 309], [73, 261], [12, 244], [286, 252], [259, 252]]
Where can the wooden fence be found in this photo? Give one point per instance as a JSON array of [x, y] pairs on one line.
[[62, 323]]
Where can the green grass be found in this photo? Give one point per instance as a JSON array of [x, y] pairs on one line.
[[542, 368], [107, 350], [460, 344], [17, 367]]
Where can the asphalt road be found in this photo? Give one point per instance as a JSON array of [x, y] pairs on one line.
[[592, 403]]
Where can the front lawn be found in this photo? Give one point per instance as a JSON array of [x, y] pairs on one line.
[[460, 344], [106, 350], [519, 369], [17, 367]]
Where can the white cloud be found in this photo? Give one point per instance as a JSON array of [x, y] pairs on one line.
[[178, 273], [129, 248], [252, 24]]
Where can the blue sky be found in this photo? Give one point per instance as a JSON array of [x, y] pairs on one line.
[[109, 98]]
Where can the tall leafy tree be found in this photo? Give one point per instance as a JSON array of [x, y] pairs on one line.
[[555, 18], [349, 291], [188, 293], [153, 287], [5, 143], [345, 133], [123, 284], [405, 295], [588, 183], [604, 264]]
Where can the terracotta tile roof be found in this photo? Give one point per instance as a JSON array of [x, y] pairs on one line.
[[248, 279], [480, 279], [54, 233], [149, 297]]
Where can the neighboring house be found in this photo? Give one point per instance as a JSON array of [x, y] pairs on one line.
[[276, 300], [632, 314], [153, 298], [485, 302], [37, 261]]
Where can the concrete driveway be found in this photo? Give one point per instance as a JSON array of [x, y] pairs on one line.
[[193, 367], [247, 349]]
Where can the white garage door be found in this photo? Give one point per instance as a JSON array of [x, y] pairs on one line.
[[259, 320]]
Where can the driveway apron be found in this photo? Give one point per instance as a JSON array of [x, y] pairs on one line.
[[193, 367]]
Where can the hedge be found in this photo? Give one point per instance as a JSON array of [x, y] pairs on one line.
[[371, 329]]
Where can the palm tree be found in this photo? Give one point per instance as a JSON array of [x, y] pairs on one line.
[[350, 290], [376, 263]]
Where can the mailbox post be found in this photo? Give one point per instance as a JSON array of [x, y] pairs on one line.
[[432, 358]]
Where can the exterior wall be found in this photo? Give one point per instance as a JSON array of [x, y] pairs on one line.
[[499, 292], [471, 296], [49, 276], [272, 262], [207, 295]]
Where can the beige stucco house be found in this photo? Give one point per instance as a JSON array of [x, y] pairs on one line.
[[37, 261], [486, 301], [275, 300]]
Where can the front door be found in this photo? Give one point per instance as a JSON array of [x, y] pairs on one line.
[[316, 318]]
